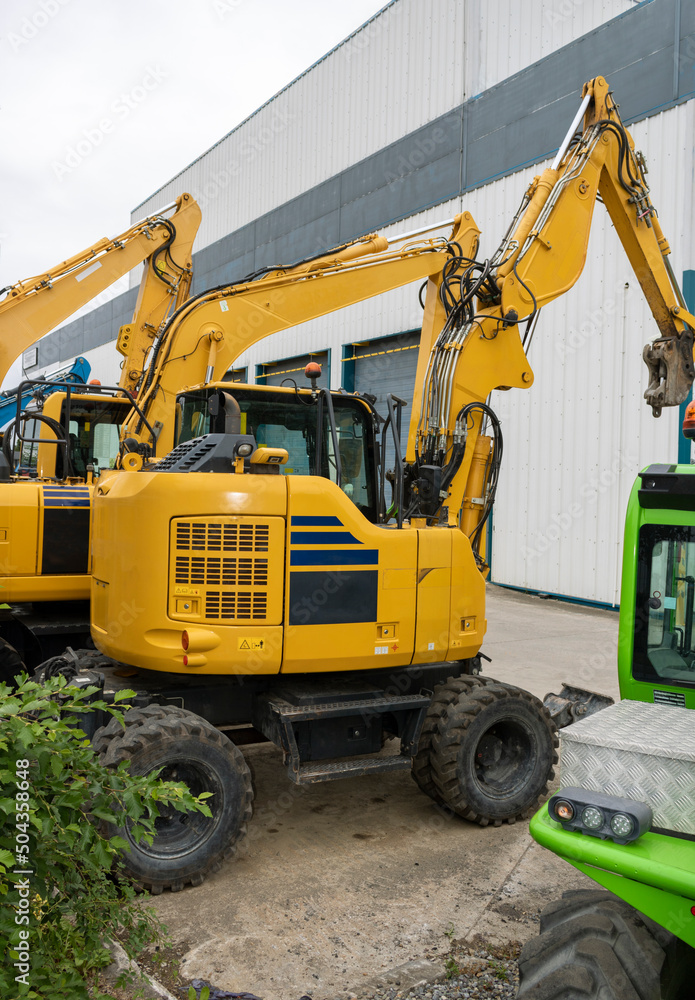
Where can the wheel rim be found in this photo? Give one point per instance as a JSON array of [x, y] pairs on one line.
[[504, 759], [177, 833]]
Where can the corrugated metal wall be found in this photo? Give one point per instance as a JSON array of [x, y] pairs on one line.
[[408, 65], [505, 36]]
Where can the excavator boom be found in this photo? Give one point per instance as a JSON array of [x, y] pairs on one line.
[[33, 307]]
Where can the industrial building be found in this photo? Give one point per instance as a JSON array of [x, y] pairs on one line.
[[427, 109]]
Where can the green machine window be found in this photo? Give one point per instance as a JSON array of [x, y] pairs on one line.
[[664, 634]]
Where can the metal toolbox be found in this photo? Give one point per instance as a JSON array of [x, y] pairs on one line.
[[639, 751]]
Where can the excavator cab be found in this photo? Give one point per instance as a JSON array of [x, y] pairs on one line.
[[67, 433], [334, 437]]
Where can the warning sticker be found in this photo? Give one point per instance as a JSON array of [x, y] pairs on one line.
[[380, 650], [248, 643], [187, 591]]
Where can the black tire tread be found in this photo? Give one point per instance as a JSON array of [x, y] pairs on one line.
[[594, 944], [11, 663], [444, 695], [145, 726], [447, 742], [103, 736]]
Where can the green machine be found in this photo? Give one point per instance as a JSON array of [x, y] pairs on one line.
[[625, 812]]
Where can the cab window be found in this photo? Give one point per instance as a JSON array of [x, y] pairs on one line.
[[286, 420], [664, 648]]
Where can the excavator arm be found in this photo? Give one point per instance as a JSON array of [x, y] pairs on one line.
[[33, 307], [491, 306], [205, 337], [603, 164]]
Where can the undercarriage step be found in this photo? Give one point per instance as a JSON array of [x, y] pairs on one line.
[[332, 710], [355, 766]]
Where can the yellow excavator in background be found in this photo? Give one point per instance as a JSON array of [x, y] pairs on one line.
[[61, 441], [285, 589]]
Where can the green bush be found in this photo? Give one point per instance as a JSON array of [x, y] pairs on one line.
[[60, 891]]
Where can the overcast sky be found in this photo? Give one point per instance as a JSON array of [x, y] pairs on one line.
[[103, 101]]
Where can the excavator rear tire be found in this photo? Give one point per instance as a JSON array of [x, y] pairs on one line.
[[594, 944], [493, 754], [187, 847], [444, 695], [11, 663], [105, 734]]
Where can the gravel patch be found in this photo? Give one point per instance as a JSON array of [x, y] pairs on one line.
[[476, 970]]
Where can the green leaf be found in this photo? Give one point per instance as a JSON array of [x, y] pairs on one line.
[[25, 736], [32, 706], [125, 693], [119, 844], [77, 902], [102, 854], [106, 814]]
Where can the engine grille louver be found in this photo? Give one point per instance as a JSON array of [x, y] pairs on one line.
[[227, 563]]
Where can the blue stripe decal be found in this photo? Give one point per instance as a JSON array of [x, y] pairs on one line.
[[365, 557], [324, 538], [316, 521], [66, 496], [66, 503]]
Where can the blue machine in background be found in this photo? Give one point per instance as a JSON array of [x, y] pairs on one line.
[[78, 372]]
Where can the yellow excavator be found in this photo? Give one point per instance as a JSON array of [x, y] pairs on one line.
[[268, 572], [53, 449]]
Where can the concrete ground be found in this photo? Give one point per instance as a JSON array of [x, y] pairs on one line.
[[338, 884]]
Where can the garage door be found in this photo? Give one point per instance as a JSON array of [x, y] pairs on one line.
[[388, 366], [275, 372], [236, 375]]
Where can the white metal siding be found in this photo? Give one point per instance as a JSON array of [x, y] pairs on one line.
[[504, 36], [408, 65]]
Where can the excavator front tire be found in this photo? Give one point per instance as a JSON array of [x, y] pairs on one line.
[[594, 944], [444, 695], [187, 847], [493, 754]]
